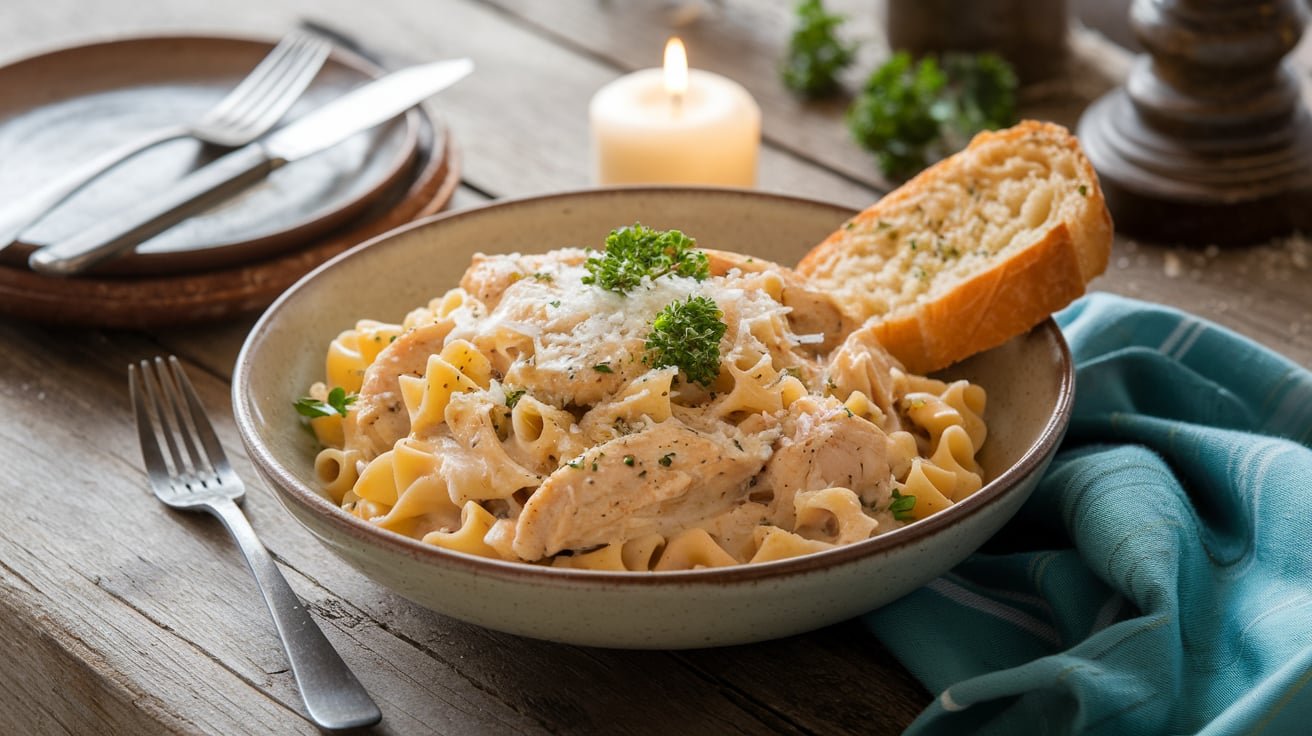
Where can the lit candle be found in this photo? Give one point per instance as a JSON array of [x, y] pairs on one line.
[[675, 126]]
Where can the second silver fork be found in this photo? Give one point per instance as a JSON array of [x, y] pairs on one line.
[[191, 472], [252, 107]]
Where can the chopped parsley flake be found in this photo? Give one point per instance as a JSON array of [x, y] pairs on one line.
[[554, 302], [337, 404], [628, 460], [902, 506], [1083, 190], [513, 396], [687, 335], [543, 276], [638, 252], [667, 460], [603, 367]]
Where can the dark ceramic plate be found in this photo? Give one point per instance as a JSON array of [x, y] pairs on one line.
[[62, 107]]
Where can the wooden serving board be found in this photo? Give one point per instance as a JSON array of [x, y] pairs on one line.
[[187, 298]]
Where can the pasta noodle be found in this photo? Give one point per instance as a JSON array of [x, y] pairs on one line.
[[532, 415]]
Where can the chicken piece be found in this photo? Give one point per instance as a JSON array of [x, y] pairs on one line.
[[812, 312], [489, 276], [862, 364], [664, 479], [379, 418], [824, 446]]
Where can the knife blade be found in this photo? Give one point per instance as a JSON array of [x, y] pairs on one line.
[[357, 110]]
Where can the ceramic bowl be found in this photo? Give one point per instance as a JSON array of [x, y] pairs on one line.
[[1029, 381]]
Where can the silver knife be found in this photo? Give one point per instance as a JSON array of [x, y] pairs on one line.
[[358, 110]]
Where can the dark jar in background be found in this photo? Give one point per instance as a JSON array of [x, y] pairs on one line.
[[1031, 34]]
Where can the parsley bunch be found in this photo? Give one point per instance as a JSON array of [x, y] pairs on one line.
[[337, 404], [687, 335], [911, 115], [815, 56], [638, 252]]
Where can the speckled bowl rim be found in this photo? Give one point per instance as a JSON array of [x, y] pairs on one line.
[[292, 491]]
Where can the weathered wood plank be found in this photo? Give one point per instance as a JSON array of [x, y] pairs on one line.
[[117, 670], [1262, 291], [741, 39], [841, 671]]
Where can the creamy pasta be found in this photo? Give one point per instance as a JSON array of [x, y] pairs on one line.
[[713, 411]]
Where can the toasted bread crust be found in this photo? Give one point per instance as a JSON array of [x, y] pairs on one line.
[[1040, 271]]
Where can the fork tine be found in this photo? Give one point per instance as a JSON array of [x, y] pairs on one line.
[[278, 91], [300, 72], [253, 82], [268, 82], [204, 428], [186, 429], [156, 468], [165, 419]]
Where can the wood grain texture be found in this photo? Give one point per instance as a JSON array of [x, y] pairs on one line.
[[118, 616]]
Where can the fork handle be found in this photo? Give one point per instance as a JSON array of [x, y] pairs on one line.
[[333, 696], [193, 193], [20, 214]]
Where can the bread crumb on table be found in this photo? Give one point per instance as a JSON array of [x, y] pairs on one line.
[[1171, 265]]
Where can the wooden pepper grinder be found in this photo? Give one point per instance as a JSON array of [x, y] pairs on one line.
[[1208, 141]]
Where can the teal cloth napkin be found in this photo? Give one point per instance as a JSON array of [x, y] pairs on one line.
[[1159, 580]]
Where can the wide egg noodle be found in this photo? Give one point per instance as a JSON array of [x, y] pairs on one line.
[[517, 417]]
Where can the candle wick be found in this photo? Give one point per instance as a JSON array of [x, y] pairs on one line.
[[676, 102]]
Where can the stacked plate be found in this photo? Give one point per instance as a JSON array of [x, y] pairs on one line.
[[64, 107]]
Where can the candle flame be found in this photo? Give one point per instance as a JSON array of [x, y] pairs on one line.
[[676, 68]]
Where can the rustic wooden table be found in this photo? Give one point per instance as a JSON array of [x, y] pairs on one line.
[[117, 616]]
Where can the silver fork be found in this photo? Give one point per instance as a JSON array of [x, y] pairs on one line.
[[247, 112], [196, 476]]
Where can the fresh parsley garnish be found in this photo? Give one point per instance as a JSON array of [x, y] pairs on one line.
[[513, 396], [638, 252], [543, 276], [912, 114], [902, 506], [628, 460], [554, 302], [666, 460], [337, 404], [603, 367], [815, 56], [687, 335]]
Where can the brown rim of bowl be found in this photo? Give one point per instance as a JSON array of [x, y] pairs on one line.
[[292, 490], [157, 263]]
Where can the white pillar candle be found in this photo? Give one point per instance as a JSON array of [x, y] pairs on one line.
[[675, 126]]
